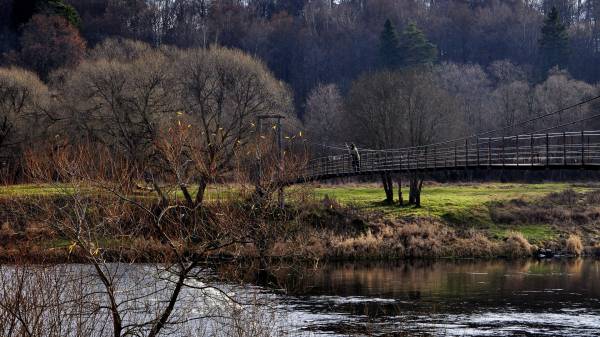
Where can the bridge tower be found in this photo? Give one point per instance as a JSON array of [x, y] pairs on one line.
[[259, 121]]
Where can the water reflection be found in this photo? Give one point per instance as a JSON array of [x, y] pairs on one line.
[[545, 297], [414, 298]]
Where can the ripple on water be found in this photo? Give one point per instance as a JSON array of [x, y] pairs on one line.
[[462, 299]]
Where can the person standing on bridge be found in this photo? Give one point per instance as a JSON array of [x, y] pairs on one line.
[[355, 157]]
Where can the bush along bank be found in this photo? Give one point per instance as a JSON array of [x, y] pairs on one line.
[[321, 230]]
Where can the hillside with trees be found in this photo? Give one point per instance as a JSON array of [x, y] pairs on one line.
[[307, 43], [378, 73]]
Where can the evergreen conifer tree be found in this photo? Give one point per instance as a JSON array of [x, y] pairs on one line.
[[389, 53], [23, 10], [415, 49], [554, 43]]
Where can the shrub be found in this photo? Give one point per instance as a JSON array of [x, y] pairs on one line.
[[516, 245], [423, 238], [475, 245], [574, 245]]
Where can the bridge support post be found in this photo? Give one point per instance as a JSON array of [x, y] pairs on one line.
[[564, 148], [489, 151], [582, 148], [467, 152], [455, 155], [281, 196], [503, 154], [531, 149], [477, 151], [517, 147], [547, 150], [259, 187]]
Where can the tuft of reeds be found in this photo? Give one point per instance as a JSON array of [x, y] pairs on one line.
[[516, 245], [573, 245]]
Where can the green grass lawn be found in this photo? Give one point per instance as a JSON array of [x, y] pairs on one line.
[[460, 204], [30, 190], [219, 192]]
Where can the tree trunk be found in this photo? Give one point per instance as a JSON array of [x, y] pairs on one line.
[[411, 192], [186, 194], [419, 189], [388, 187], [202, 183], [400, 198], [163, 197], [416, 184]]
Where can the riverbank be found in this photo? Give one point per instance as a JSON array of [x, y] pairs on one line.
[[349, 222]]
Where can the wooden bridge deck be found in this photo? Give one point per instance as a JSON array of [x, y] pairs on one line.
[[564, 150]]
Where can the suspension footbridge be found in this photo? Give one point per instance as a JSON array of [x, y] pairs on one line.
[[563, 150], [538, 150]]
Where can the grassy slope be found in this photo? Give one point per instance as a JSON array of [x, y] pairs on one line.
[[464, 205]]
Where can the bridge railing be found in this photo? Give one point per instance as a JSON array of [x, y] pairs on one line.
[[531, 150]]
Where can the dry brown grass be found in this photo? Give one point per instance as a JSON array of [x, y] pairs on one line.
[[516, 245], [566, 208], [475, 244], [574, 245], [414, 238]]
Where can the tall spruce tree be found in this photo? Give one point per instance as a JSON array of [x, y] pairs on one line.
[[23, 10], [415, 49], [554, 43], [389, 52]]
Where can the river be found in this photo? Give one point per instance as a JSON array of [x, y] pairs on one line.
[[558, 297], [554, 297]]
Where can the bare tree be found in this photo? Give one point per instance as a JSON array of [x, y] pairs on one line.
[[50, 42], [559, 91], [429, 113], [398, 109], [513, 100], [323, 115], [97, 208], [376, 116], [23, 100], [120, 102], [223, 92], [472, 89]]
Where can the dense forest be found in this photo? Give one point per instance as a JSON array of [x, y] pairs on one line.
[[380, 73], [307, 42]]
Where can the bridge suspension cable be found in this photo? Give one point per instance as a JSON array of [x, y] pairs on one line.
[[567, 124], [530, 120], [533, 119], [333, 147]]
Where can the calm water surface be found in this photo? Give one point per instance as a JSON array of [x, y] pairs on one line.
[[420, 298], [447, 298]]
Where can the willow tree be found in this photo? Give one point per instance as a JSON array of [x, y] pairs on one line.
[[120, 103], [222, 92], [23, 99]]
